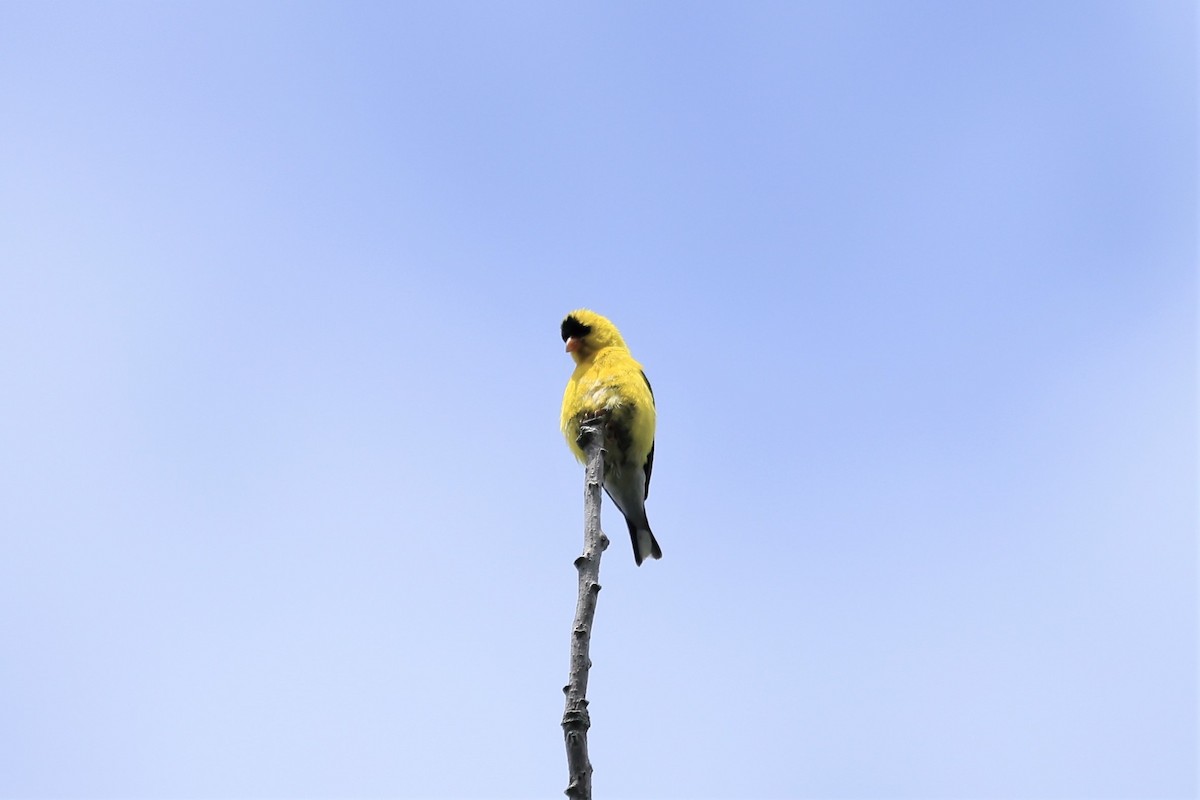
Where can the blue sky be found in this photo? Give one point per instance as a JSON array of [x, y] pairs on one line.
[[284, 507]]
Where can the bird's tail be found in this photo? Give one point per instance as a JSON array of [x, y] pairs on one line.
[[644, 544]]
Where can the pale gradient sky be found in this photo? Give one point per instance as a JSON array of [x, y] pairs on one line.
[[284, 509]]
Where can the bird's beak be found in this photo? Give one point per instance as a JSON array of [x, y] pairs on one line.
[[573, 344]]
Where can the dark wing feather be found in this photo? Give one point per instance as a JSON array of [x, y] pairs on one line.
[[649, 467], [648, 386], [649, 458]]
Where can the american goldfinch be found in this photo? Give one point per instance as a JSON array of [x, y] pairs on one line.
[[607, 381]]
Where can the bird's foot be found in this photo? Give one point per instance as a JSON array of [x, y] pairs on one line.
[[588, 423]]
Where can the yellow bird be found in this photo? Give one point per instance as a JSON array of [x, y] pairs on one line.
[[607, 381]]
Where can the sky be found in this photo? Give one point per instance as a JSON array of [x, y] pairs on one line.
[[284, 507]]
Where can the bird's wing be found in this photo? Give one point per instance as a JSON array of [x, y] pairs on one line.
[[649, 467], [650, 457], [648, 386]]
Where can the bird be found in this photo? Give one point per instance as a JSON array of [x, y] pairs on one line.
[[608, 382]]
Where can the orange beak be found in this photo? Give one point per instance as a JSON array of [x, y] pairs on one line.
[[573, 344]]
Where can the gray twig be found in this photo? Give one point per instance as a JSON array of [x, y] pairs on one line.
[[575, 720]]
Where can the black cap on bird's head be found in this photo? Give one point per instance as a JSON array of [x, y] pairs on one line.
[[585, 332], [572, 328]]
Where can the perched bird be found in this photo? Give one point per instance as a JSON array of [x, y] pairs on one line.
[[607, 381]]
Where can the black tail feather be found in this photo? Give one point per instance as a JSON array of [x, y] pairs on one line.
[[654, 550]]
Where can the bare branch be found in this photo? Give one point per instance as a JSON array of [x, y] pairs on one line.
[[575, 720]]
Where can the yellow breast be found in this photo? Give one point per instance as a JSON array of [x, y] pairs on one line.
[[612, 382]]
